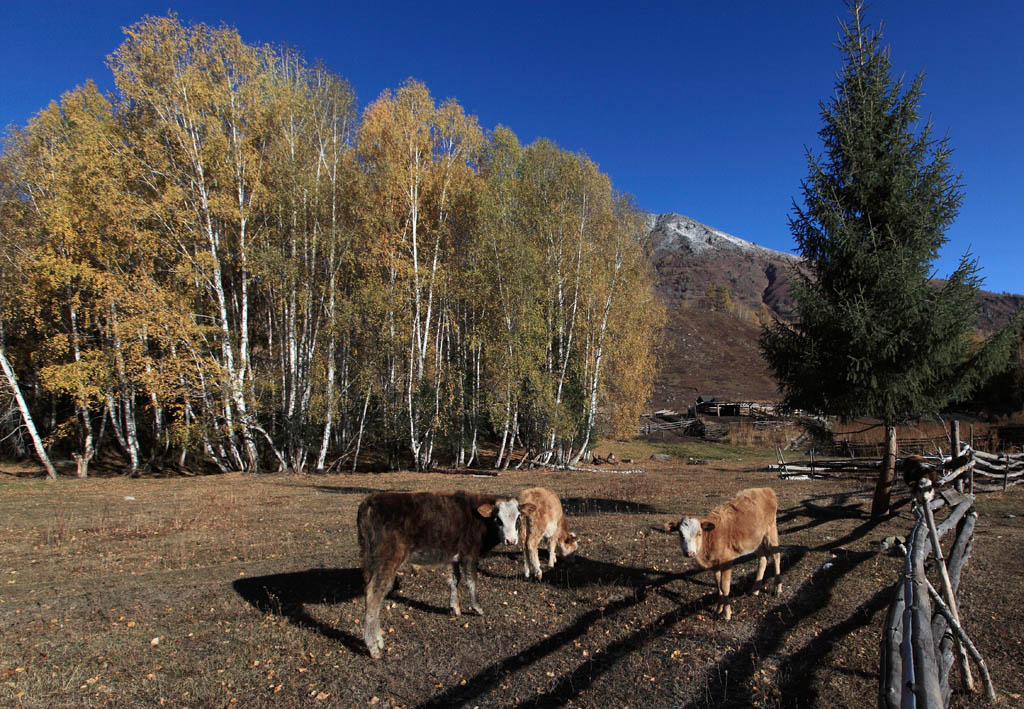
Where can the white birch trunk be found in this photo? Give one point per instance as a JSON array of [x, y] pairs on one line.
[[26, 416], [83, 458]]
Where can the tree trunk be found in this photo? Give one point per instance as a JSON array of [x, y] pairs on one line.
[[883, 487], [26, 416]]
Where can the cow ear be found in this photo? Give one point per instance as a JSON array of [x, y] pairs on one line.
[[671, 526], [527, 508], [572, 537], [707, 526], [486, 509]]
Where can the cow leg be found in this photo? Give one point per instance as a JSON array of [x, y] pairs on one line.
[[551, 550], [724, 578], [762, 564], [773, 548], [469, 572], [525, 532], [453, 586], [532, 544], [380, 581]]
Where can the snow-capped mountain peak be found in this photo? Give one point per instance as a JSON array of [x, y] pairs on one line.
[[674, 233]]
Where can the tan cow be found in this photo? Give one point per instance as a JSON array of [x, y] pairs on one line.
[[740, 526], [541, 519]]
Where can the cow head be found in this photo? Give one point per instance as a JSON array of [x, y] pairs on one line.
[[506, 514], [568, 545], [691, 532]]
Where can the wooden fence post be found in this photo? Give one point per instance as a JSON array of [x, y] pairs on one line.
[[954, 429]]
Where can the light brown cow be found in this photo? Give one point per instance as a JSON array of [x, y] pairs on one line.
[[541, 519], [740, 526]]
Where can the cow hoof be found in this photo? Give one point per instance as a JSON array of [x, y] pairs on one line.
[[455, 612], [778, 589], [478, 610], [376, 647], [757, 592]]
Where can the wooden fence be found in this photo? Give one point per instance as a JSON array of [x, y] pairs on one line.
[[923, 635], [997, 471], [919, 644]]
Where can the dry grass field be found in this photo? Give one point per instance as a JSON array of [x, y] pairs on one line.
[[245, 590]]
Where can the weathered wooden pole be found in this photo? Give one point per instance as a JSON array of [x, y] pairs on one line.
[[965, 641], [958, 557], [891, 665], [924, 486], [925, 683], [908, 698]]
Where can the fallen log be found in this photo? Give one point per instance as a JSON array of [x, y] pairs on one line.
[[959, 511], [891, 670], [927, 691]]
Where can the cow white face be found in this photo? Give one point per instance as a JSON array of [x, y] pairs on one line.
[[569, 545], [690, 536], [507, 514]]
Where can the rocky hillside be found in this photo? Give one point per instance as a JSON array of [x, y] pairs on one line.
[[718, 288], [692, 258]]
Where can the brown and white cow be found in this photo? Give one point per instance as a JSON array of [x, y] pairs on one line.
[[740, 526], [427, 529], [542, 519]]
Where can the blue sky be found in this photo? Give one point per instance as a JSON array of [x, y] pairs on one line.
[[702, 108]]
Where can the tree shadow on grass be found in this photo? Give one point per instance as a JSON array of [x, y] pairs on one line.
[[729, 680], [578, 571], [286, 595], [347, 490], [796, 670], [590, 506], [818, 518], [582, 678], [639, 582]]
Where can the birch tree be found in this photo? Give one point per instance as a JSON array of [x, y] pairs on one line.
[[196, 94]]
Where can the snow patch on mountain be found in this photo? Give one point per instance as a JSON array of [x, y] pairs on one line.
[[675, 233]]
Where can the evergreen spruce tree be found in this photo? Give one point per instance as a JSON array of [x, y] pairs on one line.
[[876, 334]]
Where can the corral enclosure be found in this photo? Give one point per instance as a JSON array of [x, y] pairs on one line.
[[246, 589]]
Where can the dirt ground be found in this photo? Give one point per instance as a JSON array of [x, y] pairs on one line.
[[245, 590]]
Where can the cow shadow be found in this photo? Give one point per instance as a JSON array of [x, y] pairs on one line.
[[590, 506], [286, 596]]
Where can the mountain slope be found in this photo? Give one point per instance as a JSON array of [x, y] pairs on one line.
[[717, 289]]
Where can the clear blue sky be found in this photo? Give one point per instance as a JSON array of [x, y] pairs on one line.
[[702, 108]]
